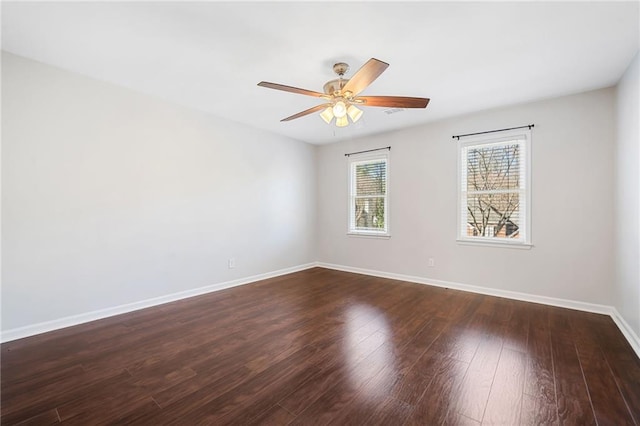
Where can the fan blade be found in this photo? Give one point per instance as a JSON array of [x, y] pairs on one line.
[[291, 89], [393, 101], [306, 112], [365, 76]]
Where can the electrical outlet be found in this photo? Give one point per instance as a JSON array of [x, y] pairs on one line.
[[432, 262], [232, 263]]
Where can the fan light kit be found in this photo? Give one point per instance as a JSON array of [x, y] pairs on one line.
[[342, 94]]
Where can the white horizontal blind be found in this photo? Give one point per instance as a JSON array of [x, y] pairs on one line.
[[368, 210], [493, 190]]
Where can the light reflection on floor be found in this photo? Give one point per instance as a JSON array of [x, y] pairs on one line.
[[366, 328]]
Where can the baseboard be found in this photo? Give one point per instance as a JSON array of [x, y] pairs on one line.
[[624, 327], [626, 330], [43, 327], [563, 303]]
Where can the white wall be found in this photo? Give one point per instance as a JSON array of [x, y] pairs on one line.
[[627, 200], [112, 197], [572, 203]]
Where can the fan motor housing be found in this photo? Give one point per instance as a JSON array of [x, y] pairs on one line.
[[333, 87]]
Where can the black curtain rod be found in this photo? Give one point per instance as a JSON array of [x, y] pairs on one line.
[[493, 131], [369, 150]]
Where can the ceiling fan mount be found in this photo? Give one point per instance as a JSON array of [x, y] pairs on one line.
[[340, 68], [343, 95]]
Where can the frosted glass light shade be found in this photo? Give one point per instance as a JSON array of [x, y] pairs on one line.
[[342, 121], [339, 109], [327, 115], [354, 112], [342, 111]]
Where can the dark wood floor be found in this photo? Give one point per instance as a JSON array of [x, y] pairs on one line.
[[327, 347]]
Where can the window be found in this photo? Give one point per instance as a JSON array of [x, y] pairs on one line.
[[494, 194], [369, 195]]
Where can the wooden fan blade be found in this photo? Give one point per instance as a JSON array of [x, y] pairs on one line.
[[365, 76], [306, 112], [291, 89], [394, 101]]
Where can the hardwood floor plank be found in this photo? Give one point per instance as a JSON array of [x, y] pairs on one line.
[[384, 385], [539, 394], [38, 399], [309, 391], [441, 394], [225, 371], [419, 344], [410, 387], [458, 343], [49, 417], [55, 378], [539, 400], [368, 397], [516, 327], [274, 416], [455, 419], [461, 342], [222, 381], [438, 339], [625, 366], [108, 400], [113, 411], [359, 351], [327, 347], [208, 406], [505, 399], [476, 386], [608, 402], [338, 397], [574, 405], [335, 371], [141, 413], [388, 412]]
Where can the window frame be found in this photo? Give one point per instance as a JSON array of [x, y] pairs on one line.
[[353, 160], [503, 137]]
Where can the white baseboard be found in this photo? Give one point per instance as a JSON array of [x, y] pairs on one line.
[[43, 327], [563, 303], [624, 327], [626, 330]]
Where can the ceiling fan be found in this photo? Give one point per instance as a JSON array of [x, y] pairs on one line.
[[342, 94]]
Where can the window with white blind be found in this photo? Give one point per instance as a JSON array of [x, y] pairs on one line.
[[369, 194], [494, 188]]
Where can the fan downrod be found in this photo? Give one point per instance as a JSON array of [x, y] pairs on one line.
[[334, 87]]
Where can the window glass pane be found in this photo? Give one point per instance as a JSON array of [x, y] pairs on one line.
[[494, 189], [494, 167], [371, 178], [368, 195], [369, 213], [493, 215]]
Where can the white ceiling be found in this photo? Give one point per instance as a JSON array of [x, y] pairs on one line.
[[210, 55]]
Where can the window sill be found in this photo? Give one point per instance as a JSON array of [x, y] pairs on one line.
[[498, 244], [369, 235]]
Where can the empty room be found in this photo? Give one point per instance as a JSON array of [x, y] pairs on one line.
[[320, 213]]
